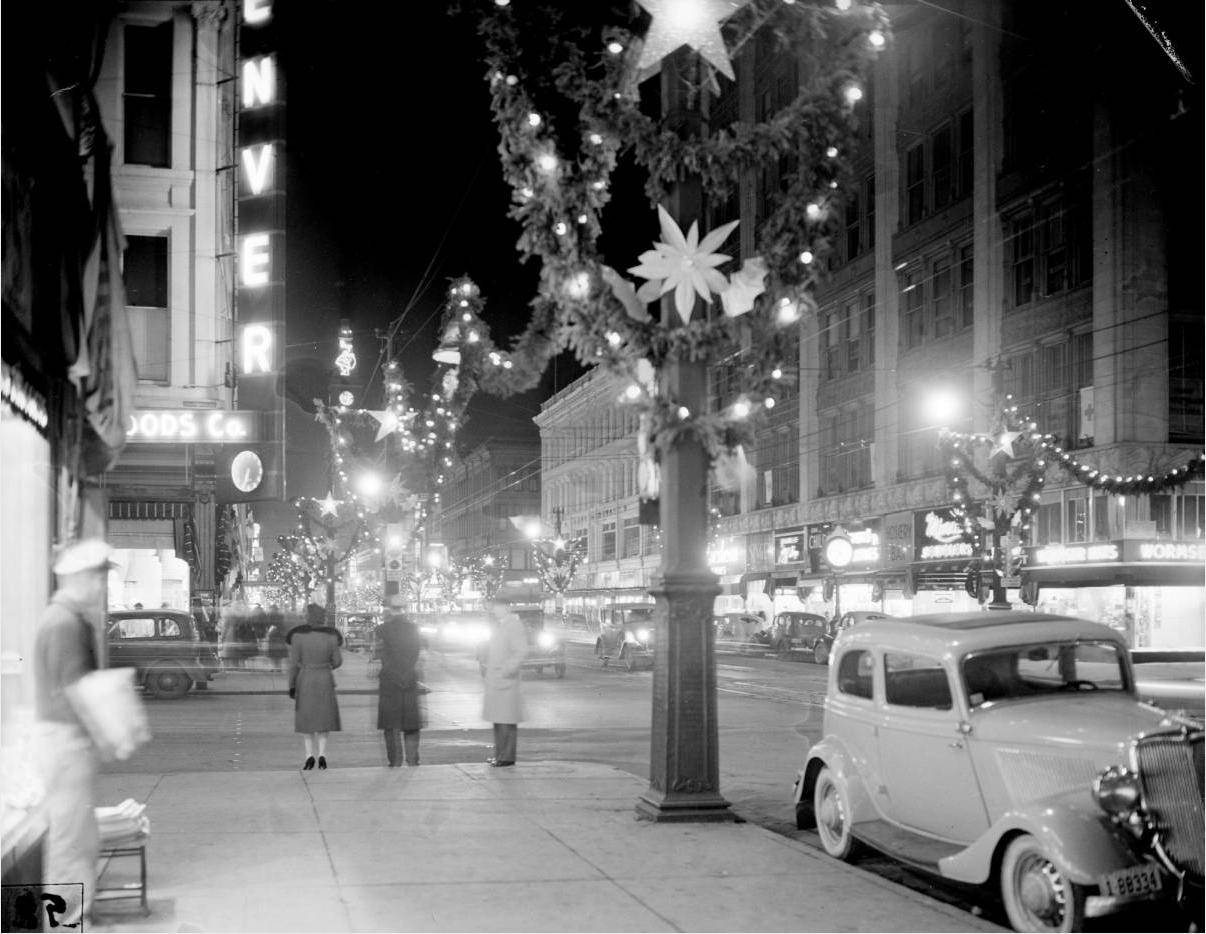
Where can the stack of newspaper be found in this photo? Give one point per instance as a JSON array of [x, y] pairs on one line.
[[124, 823]]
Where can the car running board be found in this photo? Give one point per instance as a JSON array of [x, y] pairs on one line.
[[906, 846]]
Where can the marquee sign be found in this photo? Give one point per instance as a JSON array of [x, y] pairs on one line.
[[260, 255], [1127, 551], [938, 536]]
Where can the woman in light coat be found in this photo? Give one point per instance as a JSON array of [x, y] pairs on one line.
[[502, 704], [313, 657]]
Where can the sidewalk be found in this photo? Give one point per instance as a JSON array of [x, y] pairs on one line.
[[543, 846]]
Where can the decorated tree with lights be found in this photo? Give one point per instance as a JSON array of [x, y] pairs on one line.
[[486, 572], [329, 531], [292, 578]]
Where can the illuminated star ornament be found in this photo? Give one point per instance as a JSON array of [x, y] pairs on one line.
[[688, 22], [388, 420], [1004, 443], [330, 505]]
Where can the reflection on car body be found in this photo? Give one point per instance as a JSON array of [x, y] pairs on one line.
[[163, 647], [1012, 714]]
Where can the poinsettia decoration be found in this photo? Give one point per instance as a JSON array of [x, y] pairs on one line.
[[685, 264]]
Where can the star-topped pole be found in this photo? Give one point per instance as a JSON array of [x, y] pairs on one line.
[[695, 23]]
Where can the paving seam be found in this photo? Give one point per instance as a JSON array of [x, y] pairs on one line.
[[327, 851]]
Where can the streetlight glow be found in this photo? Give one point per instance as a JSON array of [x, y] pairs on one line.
[[943, 405]]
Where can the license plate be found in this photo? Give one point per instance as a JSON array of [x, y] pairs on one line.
[[1138, 880]]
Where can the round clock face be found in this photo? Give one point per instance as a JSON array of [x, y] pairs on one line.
[[246, 471]]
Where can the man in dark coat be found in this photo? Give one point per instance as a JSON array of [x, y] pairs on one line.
[[399, 703]]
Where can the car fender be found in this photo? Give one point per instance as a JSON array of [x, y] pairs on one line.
[[1077, 836], [190, 668], [831, 753]]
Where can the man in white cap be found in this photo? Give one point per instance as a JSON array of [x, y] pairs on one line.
[[64, 652]]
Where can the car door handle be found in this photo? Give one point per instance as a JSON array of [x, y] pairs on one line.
[[957, 744]]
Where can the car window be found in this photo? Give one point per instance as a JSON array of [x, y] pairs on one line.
[[1030, 670], [136, 627], [854, 673], [915, 681], [169, 628]]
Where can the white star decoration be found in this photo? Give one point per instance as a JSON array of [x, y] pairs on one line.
[[388, 420], [1004, 443], [684, 264], [688, 22], [330, 505]]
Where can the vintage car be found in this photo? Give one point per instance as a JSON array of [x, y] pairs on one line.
[[1156, 795], [545, 647], [626, 634], [820, 653], [358, 630], [795, 632], [736, 627], [164, 648], [966, 745]]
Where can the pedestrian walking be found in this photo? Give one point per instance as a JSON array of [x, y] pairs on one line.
[[278, 651], [313, 657], [502, 704], [400, 711], [65, 651]]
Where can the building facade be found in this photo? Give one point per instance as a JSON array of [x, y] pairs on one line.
[[495, 482], [168, 91], [1015, 232]]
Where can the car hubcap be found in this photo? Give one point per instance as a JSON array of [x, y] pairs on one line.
[[830, 816], [1041, 890]]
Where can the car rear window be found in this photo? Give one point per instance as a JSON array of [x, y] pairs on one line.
[[915, 681], [854, 673]]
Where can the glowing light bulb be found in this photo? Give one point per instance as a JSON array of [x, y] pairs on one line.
[[741, 408], [534, 119], [582, 218], [769, 402], [633, 391], [615, 48], [598, 184], [472, 337], [806, 257], [842, 5], [684, 412], [854, 94], [614, 338], [547, 162], [596, 138], [512, 80], [526, 192], [776, 373], [877, 39], [560, 228], [813, 211], [832, 152]]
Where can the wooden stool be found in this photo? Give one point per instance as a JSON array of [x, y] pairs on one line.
[[128, 848]]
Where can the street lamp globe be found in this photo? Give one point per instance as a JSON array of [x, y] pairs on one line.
[[531, 529], [368, 484], [943, 405]]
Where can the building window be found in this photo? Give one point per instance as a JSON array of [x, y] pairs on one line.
[[1023, 260], [607, 550], [1191, 517], [1160, 513], [846, 461], [915, 184], [852, 225], [1101, 518], [1076, 528], [632, 537], [868, 313], [145, 271], [943, 305], [830, 345], [967, 305], [914, 310], [966, 180], [850, 327], [1047, 529], [147, 95], [869, 202], [941, 155], [1055, 253]]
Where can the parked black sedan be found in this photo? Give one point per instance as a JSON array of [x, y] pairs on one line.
[[163, 647]]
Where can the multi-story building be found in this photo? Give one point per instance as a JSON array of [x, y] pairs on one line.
[[167, 92], [1017, 225], [589, 474], [496, 481]]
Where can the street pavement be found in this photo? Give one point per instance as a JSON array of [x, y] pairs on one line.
[[546, 845]]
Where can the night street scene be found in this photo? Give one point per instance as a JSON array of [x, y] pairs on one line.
[[626, 465]]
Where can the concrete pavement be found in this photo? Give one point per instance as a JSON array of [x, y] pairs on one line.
[[542, 846]]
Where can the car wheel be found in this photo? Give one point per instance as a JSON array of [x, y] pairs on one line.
[[1037, 896], [832, 812], [820, 653], [560, 669], [169, 683]]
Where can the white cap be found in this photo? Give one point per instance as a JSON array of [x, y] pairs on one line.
[[85, 555]]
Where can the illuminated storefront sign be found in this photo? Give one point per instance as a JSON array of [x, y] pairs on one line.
[[1194, 553], [1076, 554], [865, 538], [185, 425], [23, 398], [789, 547], [938, 535]]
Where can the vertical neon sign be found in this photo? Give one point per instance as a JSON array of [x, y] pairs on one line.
[[260, 244]]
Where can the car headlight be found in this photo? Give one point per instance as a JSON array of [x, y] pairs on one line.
[[546, 640], [1117, 791], [427, 630], [642, 635]]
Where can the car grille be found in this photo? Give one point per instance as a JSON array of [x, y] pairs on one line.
[[1170, 767]]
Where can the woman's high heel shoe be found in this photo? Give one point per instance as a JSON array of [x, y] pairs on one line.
[[322, 762], [310, 763]]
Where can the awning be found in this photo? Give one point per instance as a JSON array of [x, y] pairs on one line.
[[1110, 575], [141, 533]]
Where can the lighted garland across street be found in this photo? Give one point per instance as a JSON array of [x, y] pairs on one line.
[[486, 572], [560, 188], [1015, 493]]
